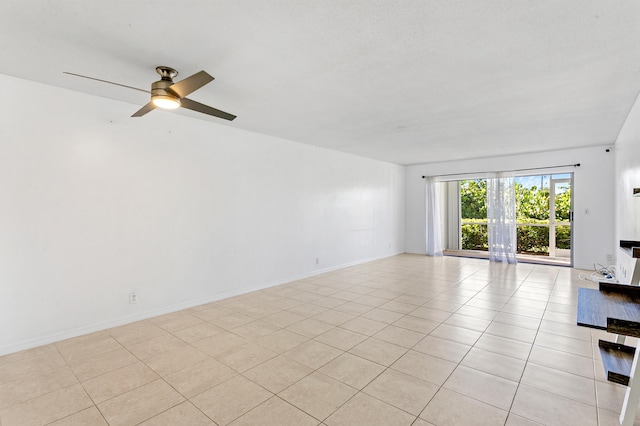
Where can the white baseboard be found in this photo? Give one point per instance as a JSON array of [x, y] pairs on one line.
[[79, 331]]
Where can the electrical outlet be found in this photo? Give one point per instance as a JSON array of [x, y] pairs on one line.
[[133, 298], [609, 259], [317, 260]]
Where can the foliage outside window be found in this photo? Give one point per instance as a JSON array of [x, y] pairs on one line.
[[532, 211]]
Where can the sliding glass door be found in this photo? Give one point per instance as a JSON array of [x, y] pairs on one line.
[[560, 202], [473, 215], [543, 210]]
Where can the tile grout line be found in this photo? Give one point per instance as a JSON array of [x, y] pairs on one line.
[[530, 350]]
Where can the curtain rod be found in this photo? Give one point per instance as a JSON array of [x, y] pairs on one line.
[[516, 170]]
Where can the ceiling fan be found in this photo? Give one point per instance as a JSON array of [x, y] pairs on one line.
[[166, 94]]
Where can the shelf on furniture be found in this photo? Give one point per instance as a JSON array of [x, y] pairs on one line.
[[615, 311], [632, 248], [629, 289], [617, 360]]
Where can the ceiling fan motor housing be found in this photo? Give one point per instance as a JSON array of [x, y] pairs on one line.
[[159, 92]]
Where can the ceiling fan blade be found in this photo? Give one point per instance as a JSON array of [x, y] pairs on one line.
[[145, 109], [105, 81], [197, 106], [190, 84]]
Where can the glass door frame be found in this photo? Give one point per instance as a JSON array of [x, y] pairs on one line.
[[552, 214]]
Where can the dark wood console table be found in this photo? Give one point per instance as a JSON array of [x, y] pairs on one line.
[[616, 308]]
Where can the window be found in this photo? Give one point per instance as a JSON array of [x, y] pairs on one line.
[[543, 209]]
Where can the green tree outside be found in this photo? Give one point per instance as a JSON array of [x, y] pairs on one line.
[[473, 199]]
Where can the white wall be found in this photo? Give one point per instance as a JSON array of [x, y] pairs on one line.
[[593, 196], [627, 178], [94, 205]]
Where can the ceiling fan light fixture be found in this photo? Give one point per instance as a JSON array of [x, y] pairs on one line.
[[165, 102], [166, 94]]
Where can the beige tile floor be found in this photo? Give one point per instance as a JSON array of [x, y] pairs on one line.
[[407, 340]]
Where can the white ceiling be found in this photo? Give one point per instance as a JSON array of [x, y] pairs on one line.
[[404, 81]]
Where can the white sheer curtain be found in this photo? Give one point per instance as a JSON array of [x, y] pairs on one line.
[[434, 225], [501, 218]]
